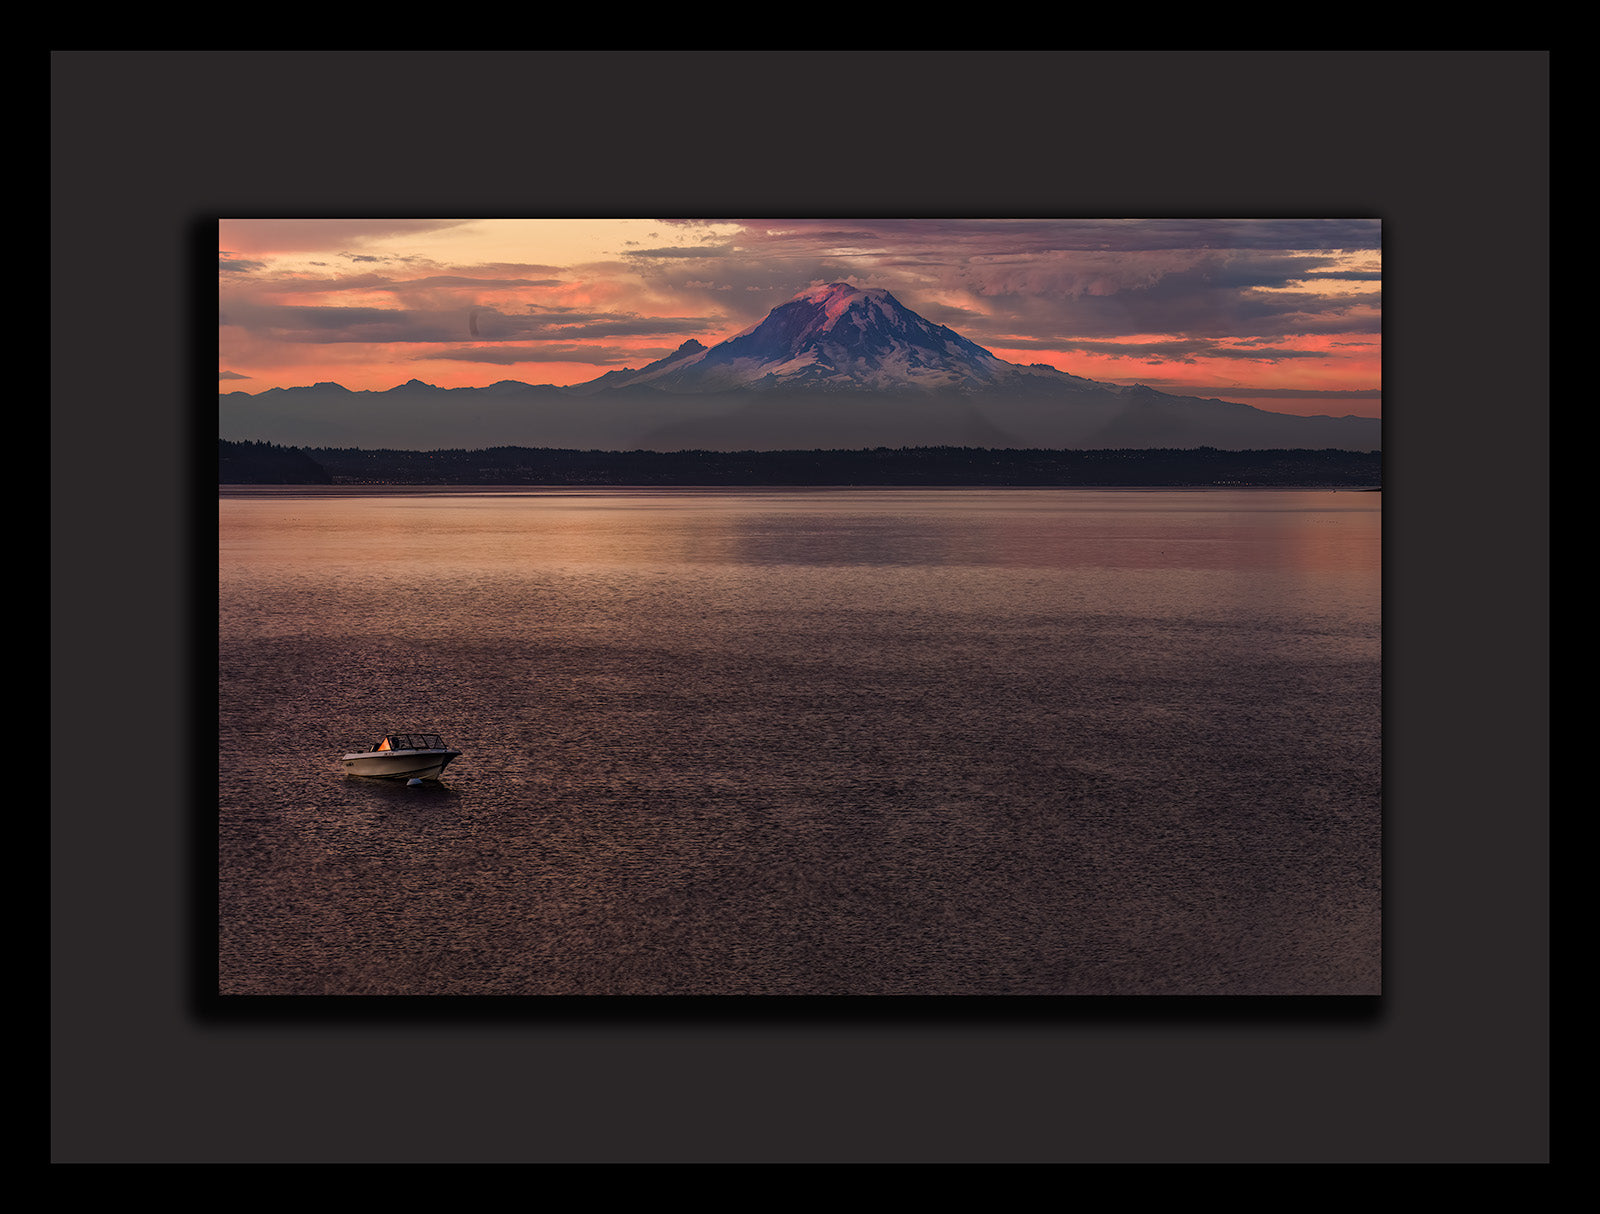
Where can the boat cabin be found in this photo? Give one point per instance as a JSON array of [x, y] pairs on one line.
[[411, 741]]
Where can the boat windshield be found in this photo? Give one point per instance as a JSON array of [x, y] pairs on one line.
[[411, 741]]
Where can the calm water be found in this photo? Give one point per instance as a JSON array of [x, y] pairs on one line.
[[803, 742]]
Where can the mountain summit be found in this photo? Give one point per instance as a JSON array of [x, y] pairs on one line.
[[835, 337]]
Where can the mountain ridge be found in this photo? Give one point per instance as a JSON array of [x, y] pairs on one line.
[[836, 366]]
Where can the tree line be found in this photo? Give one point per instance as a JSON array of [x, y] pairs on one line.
[[265, 463]]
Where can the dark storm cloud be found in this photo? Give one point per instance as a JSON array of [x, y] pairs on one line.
[[307, 323], [679, 252], [1235, 269], [500, 276], [1217, 297], [466, 280], [334, 324], [1044, 280], [1247, 235], [1034, 236], [562, 324], [505, 356], [1173, 351]]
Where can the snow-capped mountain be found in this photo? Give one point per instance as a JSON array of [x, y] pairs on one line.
[[832, 337], [836, 367]]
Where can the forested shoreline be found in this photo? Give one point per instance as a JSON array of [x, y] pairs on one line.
[[258, 463]]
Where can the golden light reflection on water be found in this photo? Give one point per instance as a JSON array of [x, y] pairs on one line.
[[663, 557], [1165, 529]]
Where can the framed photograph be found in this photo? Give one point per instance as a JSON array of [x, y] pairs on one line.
[[928, 774], [690, 607]]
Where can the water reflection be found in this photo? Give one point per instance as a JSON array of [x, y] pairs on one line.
[[803, 742], [1134, 529], [849, 539]]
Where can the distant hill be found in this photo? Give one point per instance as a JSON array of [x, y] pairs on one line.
[[258, 463], [835, 368]]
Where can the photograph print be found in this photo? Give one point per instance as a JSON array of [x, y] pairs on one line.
[[713, 607]]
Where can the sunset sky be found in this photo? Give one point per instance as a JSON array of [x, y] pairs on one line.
[[1283, 314]]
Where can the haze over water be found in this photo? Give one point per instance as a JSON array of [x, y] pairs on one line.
[[847, 742]]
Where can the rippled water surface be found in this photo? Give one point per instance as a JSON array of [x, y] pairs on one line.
[[803, 742]]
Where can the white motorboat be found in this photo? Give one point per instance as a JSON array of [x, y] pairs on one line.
[[402, 756]]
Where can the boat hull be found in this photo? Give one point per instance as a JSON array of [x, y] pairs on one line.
[[399, 764]]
